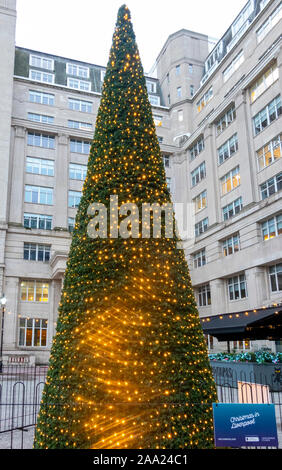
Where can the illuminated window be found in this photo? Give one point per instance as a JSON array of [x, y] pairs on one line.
[[204, 99], [237, 287], [231, 245], [225, 120], [264, 82], [269, 153], [272, 227], [158, 120], [275, 275], [230, 181], [33, 332], [242, 345], [200, 201], [34, 291]]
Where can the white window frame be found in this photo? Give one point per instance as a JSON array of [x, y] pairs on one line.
[[74, 198], [225, 120], [35, 286], [199, 259], [76, 70], [271, 227], [265, 116], [40, 191], [40, 76], [79, 171], [201, 226], [37, 248], [264, 81], [36, 139], [200, 201], [232, 283], [232, 208], [151, 86], [275, 271], [269, 23], [205, 99], [79, 125], [228, 149], [43, 118], [232, 178], [198, 174], [38, 61], [80, 105], [41, 97], [266, 155], [39, 165], [80, 146], [231, 245], [275, 182], [77, 84], [204, 295], [233, 66], [38, 219], [197, 148], [154, 100]]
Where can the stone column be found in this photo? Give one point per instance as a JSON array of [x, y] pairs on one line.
[[17, 183], [218, 296], [62, 182], [257, 286], [10, 339]]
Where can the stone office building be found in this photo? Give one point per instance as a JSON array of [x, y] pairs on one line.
[[218, 119]]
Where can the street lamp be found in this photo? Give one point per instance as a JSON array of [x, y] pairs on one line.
[[3, 302]]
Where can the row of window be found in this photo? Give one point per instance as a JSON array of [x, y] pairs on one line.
[[237, 286], [270, 228], [37, 139], [43, 222], [44, 196], [40, 166]]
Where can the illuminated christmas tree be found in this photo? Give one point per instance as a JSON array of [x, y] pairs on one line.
[[129, 366]]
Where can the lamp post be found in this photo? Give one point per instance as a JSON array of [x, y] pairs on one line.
[[3, 304]]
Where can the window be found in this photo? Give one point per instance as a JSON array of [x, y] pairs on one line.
[[38, 166], [275, 275], [166, 159], [180, 115], [192, 90], [204, 99], [271, 186], [179, 92], [79, 125], [77, 84], [190, 68], [272, 227], [225, 120], [230, 181], [41, 140], [74, 199], [44, 77], [40, 118], [201, 227], [198, 174], [197, 148], [38, 195], [168, 99], [177, 70], [233, 66], [151, 86], [231, 245], [232, 209], [77, 172], [237, 287], [154, 100], [80, 146], [34, 291], [41, 97], [42, 222], [33, 332], [269, 153], [242, 344], [168, 182], [204, 295], [71, 224], [103, 73], [160, 139], [77, 70], [264, 82], [227, 149], [271, 21], [199, 259], [200, 201], [267, 115], [80, 105], [158, 120], [209, 341], [36, 252], [41, 62]]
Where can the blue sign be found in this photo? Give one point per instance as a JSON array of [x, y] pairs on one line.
[[244, 425]]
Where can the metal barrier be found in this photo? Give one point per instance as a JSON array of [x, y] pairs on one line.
[[21, 388]]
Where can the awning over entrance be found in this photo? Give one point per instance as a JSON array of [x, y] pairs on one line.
[[262, 323]]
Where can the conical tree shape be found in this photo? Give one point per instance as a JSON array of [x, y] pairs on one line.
[[129, 366]]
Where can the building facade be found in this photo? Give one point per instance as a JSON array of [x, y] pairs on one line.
[[218, 120]]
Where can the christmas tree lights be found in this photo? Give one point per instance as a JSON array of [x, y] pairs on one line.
[[129, 365]]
